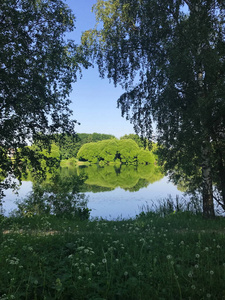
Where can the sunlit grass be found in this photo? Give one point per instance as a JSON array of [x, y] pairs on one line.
[[178, 256]]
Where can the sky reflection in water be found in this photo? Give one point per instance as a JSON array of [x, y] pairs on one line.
[[116, 203]]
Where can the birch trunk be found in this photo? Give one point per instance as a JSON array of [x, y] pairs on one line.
[[208, 206], [221, 168]]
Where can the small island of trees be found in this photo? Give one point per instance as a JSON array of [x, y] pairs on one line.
[[99, 149], [124, 151]]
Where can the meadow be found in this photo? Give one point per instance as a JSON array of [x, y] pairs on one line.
[[174, 256]]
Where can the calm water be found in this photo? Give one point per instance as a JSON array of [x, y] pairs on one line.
[[112, 192]]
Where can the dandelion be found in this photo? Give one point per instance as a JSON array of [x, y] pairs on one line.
[[211, 272], [206, 249], [197, 255], [182, 243], [208, 295], [140, 273], [79, 277], [104, 260], [193, 287], [196, 266], [190, 274], [218, 247], [169, 256], [98, 273]]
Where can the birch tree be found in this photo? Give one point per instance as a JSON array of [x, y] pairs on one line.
[[169, 56]]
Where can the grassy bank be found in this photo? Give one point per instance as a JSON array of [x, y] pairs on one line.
[[180, 256]]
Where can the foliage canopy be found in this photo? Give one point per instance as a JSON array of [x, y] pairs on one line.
[[124, 151], [37, 69]]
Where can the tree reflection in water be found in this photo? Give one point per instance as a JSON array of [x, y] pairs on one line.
[[58, 195], [62, 193]]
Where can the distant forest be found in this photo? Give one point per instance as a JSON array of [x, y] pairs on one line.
[[99, 148]]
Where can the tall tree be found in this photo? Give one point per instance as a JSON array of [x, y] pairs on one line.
[[169, 56], [37, 68]]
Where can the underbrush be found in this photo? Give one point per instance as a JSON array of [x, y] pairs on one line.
[[177, 256]]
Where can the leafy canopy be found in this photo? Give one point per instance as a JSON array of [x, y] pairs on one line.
[[125, 151], [38, 67]]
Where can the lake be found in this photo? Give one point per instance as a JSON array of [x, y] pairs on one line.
[[112, 192]]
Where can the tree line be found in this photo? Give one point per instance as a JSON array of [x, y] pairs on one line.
[[96, 148]]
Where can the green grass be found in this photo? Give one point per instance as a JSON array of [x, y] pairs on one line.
[[179, 256]]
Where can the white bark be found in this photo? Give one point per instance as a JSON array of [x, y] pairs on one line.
[[208, 206]]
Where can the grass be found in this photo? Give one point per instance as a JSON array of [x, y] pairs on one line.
[[178, 256]]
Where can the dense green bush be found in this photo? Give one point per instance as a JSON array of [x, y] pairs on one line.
[[124, 151]]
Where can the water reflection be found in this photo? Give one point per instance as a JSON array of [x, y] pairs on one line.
[[129, 178], [110, 190]]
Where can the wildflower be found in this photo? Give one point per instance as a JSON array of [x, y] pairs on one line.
[[196, 266], [117, 260], [206, 249], [140, 273], [211, 272], [218, 247], [169, 256], [197, 255], [79, 277], [70, 256], [104, 260], [190, 274], [182, 243], [98, 273], [193, 287], [208, 295]]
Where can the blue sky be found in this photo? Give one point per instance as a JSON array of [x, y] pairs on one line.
[[94, 100]]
